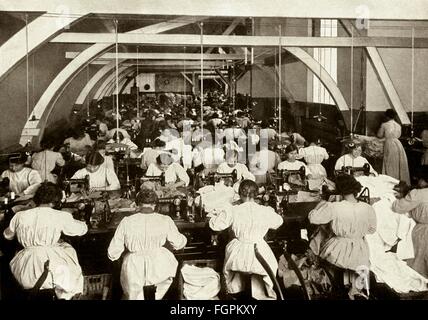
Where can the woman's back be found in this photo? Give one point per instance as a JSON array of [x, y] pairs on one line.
[[352, 220], [252, 221], [392, 130], [146, 231]]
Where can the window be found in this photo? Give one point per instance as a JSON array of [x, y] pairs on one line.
[[327, 57]]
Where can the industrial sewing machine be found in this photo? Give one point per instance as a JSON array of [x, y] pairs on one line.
[[159, 179], [181, 208], [75, 186], [354, 171], [283, 183], [117, 150], [201, 179]]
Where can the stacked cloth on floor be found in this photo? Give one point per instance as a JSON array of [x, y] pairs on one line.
[[393, 229], [200, 283]]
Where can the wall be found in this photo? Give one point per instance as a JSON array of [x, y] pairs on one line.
[[398, 64], [44, 66]]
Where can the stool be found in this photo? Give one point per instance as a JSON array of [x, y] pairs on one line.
[[149, 292]]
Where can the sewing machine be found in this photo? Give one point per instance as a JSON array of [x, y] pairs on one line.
[[82, 209], [117, 150], [365, 169], [160, 179], [335, 196], [282, 182], [203, 179], [75, 186]]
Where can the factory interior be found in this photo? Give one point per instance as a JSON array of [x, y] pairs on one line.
[[214, 150]]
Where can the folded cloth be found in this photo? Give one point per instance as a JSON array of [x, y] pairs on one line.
[[200, 283]]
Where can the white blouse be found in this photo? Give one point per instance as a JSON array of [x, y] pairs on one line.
[[26, 181], [348, 161], [241, 170], [102, 179], [173, 173], [296, 165], [147, 262], [45, 161]]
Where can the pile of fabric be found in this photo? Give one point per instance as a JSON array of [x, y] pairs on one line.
[[381, 186], [389, 267], [216, 196], [373, 146], [200, 283]]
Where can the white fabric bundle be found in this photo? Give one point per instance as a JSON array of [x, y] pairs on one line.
[[200, 283], [389, 267], [381, 186]]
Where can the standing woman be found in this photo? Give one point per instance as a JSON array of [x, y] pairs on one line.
[[394, 157]]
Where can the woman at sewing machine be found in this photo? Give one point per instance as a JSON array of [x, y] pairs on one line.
[[23, 181], [38, 230], [415, 203], [118, 137], [353, 159], [143, 236], [101, 178], [343, 244], [249, 222], [79, 142], [291, 163], [232, 163], [175, 175], [46, 160]]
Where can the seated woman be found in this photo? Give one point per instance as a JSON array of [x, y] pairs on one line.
[[38, 230], [249, 222], [231, 164], [349, 221], [209, 155], [118, 137], [23, 181], [143, 236], [416, 204], [291, 153], [175, 175], [101, 177], [46, 160], [264, 161], [79, 142], [353, 158]]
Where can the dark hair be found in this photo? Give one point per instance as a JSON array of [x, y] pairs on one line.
[[164, 158], [347, 184], [118, 134], [248, 188], [78, 132], [264, 124], [390, 114], [47, 143], [231, 153], [100, 145], [146, 196], [48, 192], [291, 148], [422, 172], [158, 143], [94, 158], [18, 158]]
